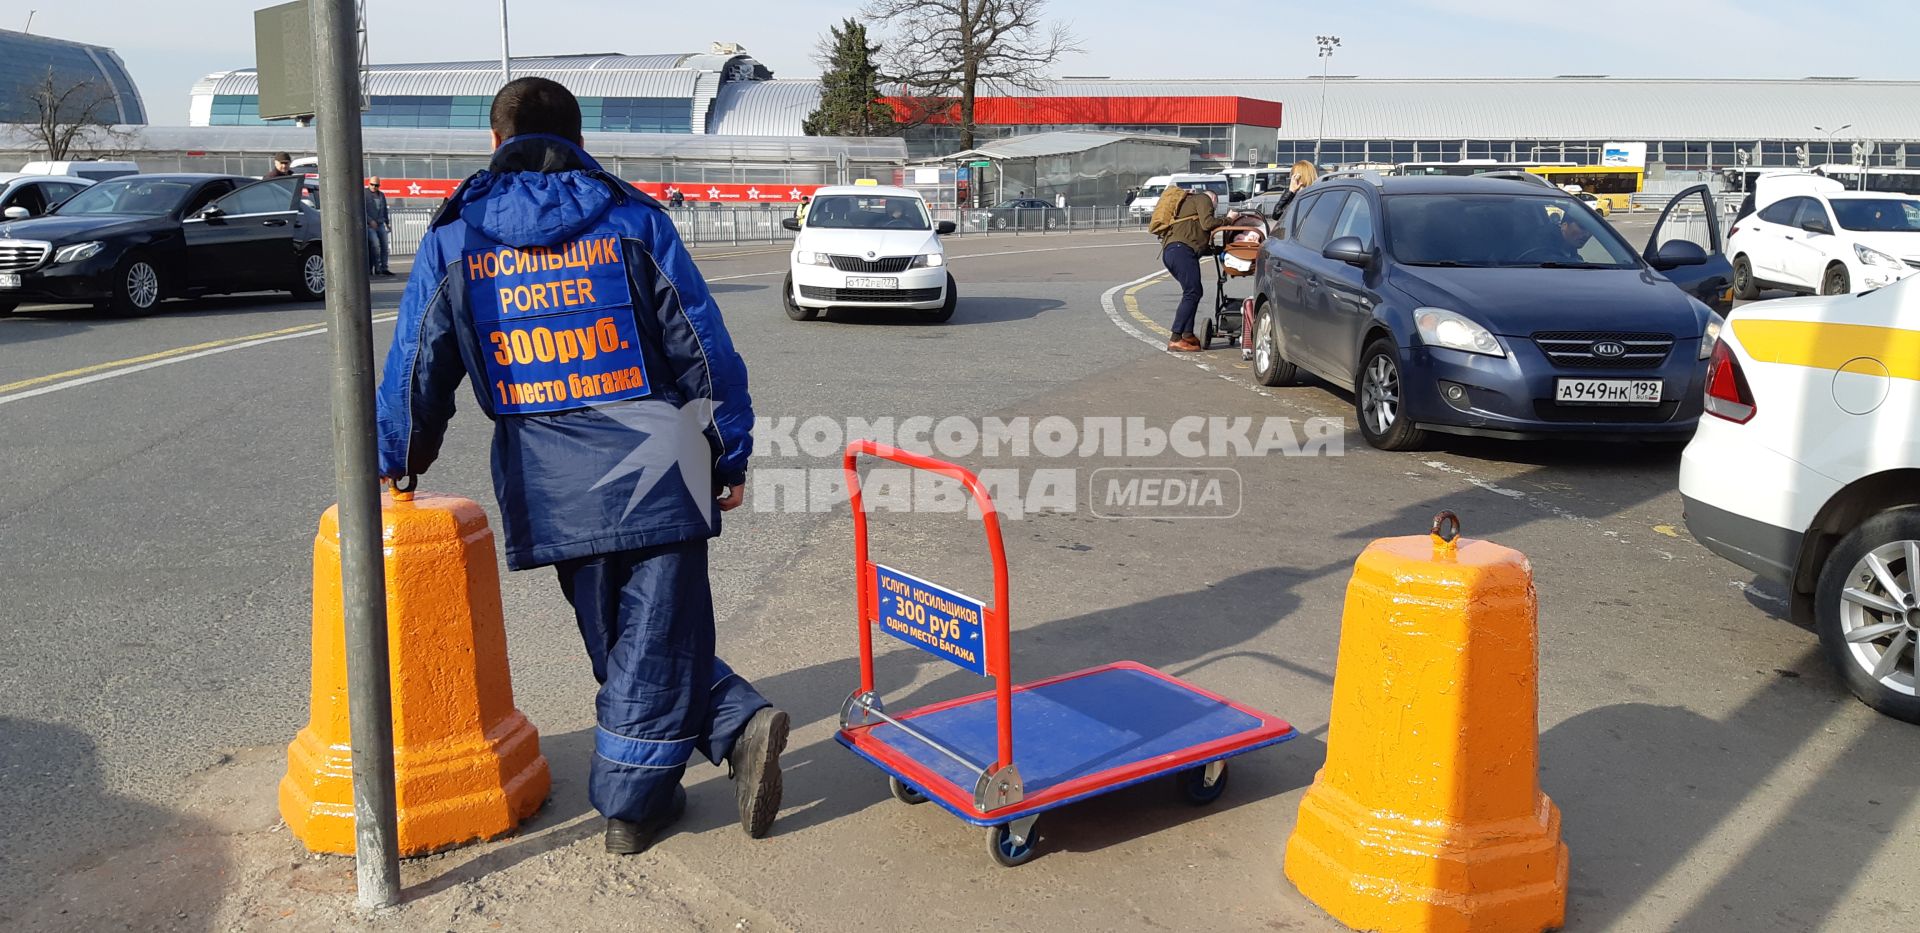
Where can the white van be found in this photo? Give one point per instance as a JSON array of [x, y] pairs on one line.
[[1142, 207], [99, 170]]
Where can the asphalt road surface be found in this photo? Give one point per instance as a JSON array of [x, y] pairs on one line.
[[166, 473]]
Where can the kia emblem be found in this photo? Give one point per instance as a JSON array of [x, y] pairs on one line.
[[1609, 349]]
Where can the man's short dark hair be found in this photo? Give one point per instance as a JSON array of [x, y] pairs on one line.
[[535, 105], [282, 157]]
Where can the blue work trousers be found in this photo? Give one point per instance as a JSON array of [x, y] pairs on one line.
[[1180, 259], [377, 235], [647, 619]]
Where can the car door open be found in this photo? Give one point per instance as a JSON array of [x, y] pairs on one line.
[[244, 239], [1686, 248]]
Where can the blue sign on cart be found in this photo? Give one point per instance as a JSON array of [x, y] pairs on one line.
[[938, 621]]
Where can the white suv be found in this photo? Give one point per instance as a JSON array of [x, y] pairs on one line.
[[868, 246], [1806, 469], [1810, 235]]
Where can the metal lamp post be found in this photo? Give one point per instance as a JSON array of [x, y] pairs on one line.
[[1831, 133], [506, 64], [1326, 45]]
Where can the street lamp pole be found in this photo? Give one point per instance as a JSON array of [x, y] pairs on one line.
[[506, 66], [1326, 45], [1831, 133]]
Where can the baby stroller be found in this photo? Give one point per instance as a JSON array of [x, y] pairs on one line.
[[1235, 252]]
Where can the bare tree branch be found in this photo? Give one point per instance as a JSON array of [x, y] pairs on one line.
[[70, 116], [940, 53]]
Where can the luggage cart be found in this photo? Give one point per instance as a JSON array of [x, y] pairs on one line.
[[1231, 260], [1081, 734]]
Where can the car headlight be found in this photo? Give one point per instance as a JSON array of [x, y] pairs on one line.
[[809, 258], [1874, 257], [1443, 328], [78, 251], [1712, 335], [929, 260]]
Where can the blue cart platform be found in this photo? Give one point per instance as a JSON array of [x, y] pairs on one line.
[[1081, 734]]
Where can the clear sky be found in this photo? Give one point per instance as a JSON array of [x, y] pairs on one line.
[[167, 51]]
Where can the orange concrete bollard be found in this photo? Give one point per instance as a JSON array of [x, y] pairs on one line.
[[1428, 815], [467, 763]]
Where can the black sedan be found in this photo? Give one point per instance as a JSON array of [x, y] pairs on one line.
[[1021, 214], [127, 243]]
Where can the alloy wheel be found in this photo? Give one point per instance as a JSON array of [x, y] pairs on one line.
[[1880, 615], [1263, 343], [1380, 394], [314, 271], [143, 285]]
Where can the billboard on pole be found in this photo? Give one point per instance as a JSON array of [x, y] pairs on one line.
[[1624, 154], [283, 55]]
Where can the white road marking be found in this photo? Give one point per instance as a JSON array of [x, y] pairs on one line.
[[169, 361], [385, 318]]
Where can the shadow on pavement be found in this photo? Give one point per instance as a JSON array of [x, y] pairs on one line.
[[970, 311], [1644, 788], [75, 856], [566, 818]]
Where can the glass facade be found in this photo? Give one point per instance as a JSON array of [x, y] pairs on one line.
[[25, 62], [675, 171], [597, 114], [1680, 155]]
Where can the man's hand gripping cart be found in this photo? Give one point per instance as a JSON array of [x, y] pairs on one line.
[[1081, 734]]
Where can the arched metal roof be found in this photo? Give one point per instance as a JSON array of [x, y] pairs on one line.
[[384, 141], [26, 59], [585, 76], [697, 77], [764, 108]]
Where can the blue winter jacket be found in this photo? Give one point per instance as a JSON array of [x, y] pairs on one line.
[[566, 296]]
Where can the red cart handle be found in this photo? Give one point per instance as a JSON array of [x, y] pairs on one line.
[[993, 618]]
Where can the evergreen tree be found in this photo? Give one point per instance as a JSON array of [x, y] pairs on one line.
[[849, 87]]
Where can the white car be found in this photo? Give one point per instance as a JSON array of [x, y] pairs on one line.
[[1149, 197], [23, 196], [868, 246], [1808, 234], [1806, 469], [95, 170]]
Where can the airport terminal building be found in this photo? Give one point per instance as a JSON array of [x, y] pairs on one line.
[[1688, 125]]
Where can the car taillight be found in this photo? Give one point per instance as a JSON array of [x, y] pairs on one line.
[[1730, 233], [1727, 393]]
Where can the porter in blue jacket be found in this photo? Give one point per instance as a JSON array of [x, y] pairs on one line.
[[622, 428]]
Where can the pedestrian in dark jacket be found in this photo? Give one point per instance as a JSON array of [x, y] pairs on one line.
[[622, 428], [282, 167], [1181, 245], [379, 227]]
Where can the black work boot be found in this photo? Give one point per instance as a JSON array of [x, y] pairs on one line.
[[625, 837], [754, 766]]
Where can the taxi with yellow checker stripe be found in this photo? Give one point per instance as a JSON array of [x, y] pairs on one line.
[[1806, 470]]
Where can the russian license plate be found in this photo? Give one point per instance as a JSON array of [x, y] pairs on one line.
[[9, 280], [1607, 391], [873, 283]]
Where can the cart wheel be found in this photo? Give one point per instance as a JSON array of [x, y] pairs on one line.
[[1000, 844], [1193, 784], [904, 792], [1206, 335]]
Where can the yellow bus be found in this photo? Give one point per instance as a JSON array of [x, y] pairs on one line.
[[1614, 184]]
